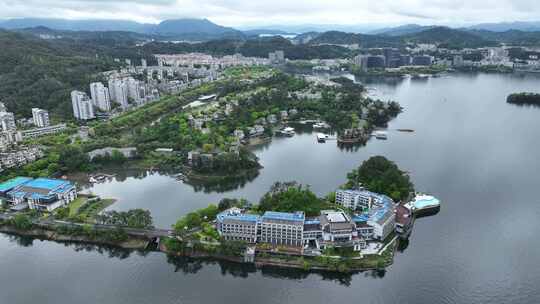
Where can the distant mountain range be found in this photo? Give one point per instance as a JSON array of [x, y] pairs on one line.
[[401, 30], [508, 26], [205, 28], [181, 29]]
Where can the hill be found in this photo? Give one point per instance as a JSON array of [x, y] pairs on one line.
[[76, 25], [37, 73], [366, 41], [194, 29], [531, 26], [177, 29], [401, 30], [512, 37], [257, 47], [449, 38]]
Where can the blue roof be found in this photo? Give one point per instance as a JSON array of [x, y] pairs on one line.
[[383, 205], [13, 183], [227, 214], [284, 216], [242, 217], [48, 184]]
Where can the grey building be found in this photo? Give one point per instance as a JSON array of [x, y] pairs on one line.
[[233, 225], [422, 60], [280, 228]]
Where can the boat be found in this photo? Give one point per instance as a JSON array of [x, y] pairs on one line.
[[380, 135], [180, 177], [288, 131], [322, 137], [321, 125], [405, 130], [351, 136]]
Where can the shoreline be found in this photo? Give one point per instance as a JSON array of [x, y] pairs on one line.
[[290, 262]]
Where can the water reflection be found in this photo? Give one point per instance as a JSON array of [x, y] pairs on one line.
[[226, 184], [105, 250], [188, 265]]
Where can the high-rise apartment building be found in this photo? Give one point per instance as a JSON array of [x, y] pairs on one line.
[[100, 96], [83, 108], [40, 117]]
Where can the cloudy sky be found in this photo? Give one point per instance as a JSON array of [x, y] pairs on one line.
[[242, 13]]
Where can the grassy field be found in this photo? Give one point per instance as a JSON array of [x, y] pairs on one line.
[[90, 210], [76, 205]]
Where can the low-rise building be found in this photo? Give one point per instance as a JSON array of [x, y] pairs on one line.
[[338, 230], [38, 132], [20, 157], [129, 152], [42, 194]]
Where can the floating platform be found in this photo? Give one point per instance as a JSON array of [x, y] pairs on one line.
[[424, 204]]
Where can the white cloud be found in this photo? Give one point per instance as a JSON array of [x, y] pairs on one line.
[[260, 12]]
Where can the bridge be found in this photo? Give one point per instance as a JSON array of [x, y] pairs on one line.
[[150, 233]]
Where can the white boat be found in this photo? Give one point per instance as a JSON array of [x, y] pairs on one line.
[[380, 135], [321, 125], [288, 131], [322, 137]]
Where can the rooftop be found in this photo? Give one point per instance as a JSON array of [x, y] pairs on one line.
[[13, 183], [236, 214], [46, 183], [283, 216], [336, 217]]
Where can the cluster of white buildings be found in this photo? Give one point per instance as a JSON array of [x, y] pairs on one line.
[[332, 228], [122, 89], [21, 157], [10, 135], [193, 59], [277, 57]]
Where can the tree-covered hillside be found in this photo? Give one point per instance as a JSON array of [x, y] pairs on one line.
[[39, 73], [449, 38]]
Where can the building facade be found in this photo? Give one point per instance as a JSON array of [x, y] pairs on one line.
[[280, 228], [100, 96], [40, 117], [233, 225], [118, 90], [83, 108], [7, 122], [42, 194]]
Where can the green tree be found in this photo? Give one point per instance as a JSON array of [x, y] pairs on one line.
[[380, 175], [22, 222]]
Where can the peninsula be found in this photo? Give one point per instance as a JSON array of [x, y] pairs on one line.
[[351, 229]]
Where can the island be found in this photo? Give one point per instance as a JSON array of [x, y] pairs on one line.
[[532, 99]]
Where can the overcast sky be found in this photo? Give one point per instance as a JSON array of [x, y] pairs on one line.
[[241, 13]]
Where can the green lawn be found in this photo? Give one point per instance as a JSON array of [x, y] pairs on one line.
[[75, 205], [89, 211]]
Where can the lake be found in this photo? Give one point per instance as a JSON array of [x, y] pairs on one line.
[[475, 152]]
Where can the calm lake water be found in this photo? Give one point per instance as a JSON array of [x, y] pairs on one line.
[[476, 153]]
